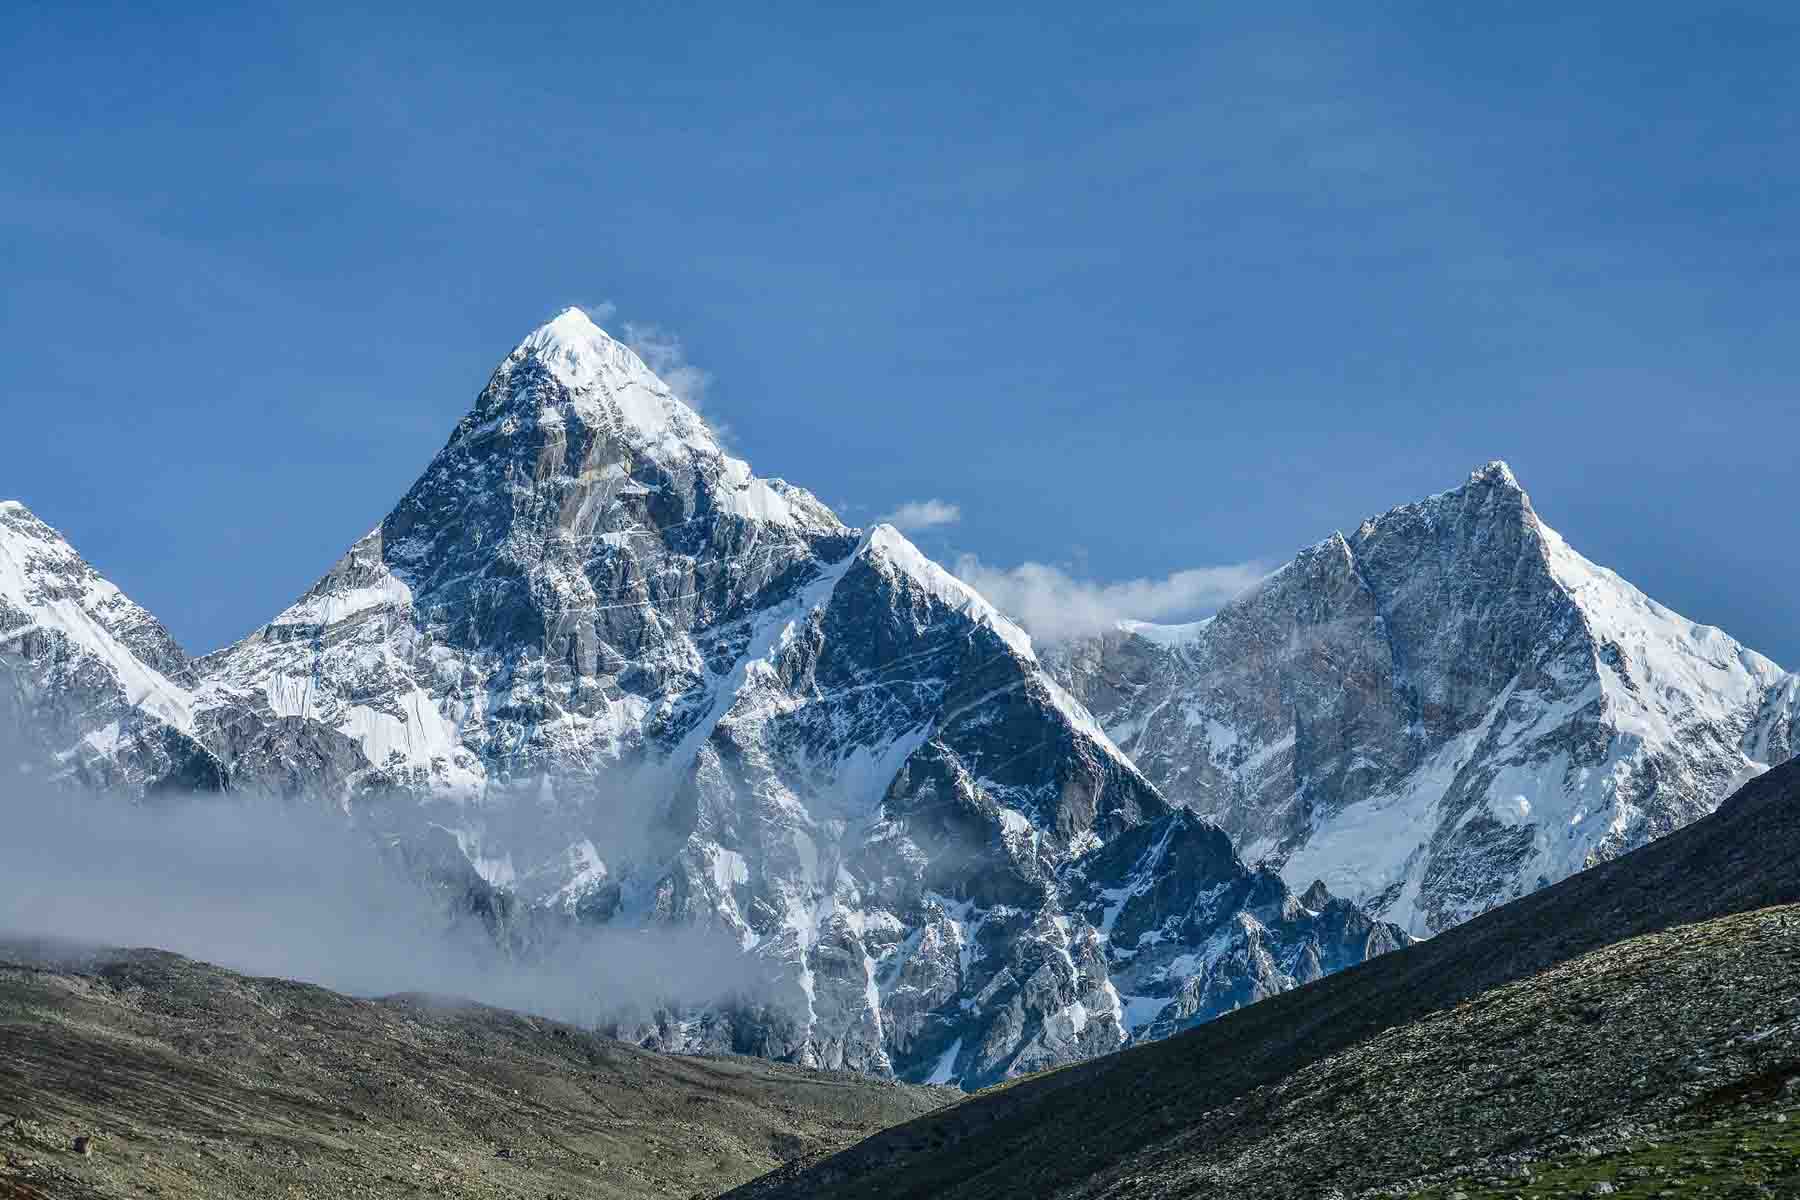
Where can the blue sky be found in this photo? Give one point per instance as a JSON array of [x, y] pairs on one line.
[[1138, 294]]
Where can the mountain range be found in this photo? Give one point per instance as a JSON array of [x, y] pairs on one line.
[[594, 665]]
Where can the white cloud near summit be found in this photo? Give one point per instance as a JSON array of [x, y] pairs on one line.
[[599, 311], [916, 515], [663, 353], [1055, 606]]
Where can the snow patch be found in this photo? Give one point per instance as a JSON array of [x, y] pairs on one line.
[[945, 1071]]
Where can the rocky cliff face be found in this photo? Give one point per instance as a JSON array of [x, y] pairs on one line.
[[592, 667], [1442, 711]]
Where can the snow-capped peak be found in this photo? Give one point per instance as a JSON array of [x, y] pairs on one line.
[[1445, 710], [569, 373], [570, 326], [598, 373], [578, 349]]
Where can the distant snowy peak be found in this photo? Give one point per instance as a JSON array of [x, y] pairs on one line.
[[1443, 710], [1655, 666]]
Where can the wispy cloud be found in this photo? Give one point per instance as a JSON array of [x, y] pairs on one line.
[[916, 515], [1055, 606], [662, 352]]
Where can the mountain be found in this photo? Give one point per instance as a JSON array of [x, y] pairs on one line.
[[195, 1081], [1443, 711], [1633, 1025], [99, 693], [591, 665]]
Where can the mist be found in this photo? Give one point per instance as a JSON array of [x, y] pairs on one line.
[[292, 890], [1055, 606]]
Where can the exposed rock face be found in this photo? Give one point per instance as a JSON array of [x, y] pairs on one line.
[[1192, 935], [95, 688], [592, 667], [1642, 993], [1445, 710]]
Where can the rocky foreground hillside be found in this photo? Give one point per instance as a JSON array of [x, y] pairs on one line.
[[1637, 1025], [1442, 711], [192, 1081]]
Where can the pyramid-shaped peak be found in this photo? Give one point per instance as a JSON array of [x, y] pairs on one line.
[[595, 372], [1491, 480], [571, 385], [1491, 490]]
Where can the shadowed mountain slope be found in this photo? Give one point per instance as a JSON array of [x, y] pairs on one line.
[[1144, 1121]]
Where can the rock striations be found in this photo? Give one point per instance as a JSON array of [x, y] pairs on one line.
[[1445, 710], [593, 660]]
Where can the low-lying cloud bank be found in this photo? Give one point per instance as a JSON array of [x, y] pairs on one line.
[[1055, 606], [293, 891]]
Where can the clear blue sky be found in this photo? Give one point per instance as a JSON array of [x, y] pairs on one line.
[[1139, 293]]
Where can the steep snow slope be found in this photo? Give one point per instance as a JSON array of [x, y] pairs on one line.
[[1445, 710], [620, 676], [96, 690]]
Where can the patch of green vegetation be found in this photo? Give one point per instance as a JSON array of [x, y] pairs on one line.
[[1750, 1152]]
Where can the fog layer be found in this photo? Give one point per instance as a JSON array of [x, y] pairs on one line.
[[293, 891]]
